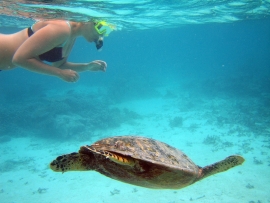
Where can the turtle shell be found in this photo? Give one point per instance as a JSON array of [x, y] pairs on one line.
[[149, 150]]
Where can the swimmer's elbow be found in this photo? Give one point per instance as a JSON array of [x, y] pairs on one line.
[[19, 60], [16, 60]]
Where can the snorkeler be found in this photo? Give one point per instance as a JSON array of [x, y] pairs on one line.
[[52, 41]]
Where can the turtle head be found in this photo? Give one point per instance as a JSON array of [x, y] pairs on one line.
[[72, 162]]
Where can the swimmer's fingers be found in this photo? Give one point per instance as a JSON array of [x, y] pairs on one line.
[[69, 75], [75, 76], [99, 65]]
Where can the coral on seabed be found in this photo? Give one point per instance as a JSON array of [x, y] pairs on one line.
[[68, 116]]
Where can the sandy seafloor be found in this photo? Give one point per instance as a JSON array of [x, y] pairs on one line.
[[25, 176]]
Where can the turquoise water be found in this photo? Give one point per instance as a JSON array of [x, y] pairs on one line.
[[193, 74], [142, 14]]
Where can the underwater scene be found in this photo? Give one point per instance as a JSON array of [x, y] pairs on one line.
[[187, 89]]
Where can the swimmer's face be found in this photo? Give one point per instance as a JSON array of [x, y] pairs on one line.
[[91, 33]]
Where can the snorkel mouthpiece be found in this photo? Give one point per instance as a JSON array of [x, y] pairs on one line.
[[99, 44]]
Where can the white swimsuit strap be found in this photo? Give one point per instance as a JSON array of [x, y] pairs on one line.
[[68, 24]]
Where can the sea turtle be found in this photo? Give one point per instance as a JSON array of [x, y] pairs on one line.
[[140, 161]]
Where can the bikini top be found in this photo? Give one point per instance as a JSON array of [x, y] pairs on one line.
[[53, 55]]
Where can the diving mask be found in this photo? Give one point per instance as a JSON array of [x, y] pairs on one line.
[[103, 28]]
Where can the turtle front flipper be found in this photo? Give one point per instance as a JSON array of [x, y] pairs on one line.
[[120, 159], [115, 157], [72, 162], [221, 166]]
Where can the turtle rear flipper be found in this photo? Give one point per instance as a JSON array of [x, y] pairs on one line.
[[221, 166]]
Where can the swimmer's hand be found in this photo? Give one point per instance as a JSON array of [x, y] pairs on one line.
[[69, 75], [97, 65]]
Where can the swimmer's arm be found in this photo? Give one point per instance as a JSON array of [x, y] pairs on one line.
[[80, 67], [37, 66], [40, 67], [42, 41]]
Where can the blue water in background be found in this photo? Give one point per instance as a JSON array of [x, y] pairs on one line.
[[141, 61], [189, 52], [194, 50], [208, 60]]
